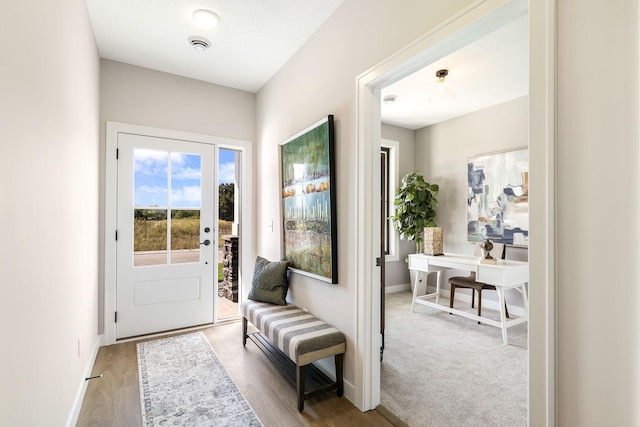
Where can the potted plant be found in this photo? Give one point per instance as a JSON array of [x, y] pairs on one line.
[[415, 204]]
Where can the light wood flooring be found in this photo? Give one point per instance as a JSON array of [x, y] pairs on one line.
[[227, 308], [114, 399]]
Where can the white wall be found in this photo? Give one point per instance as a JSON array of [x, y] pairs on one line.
[[597, 374], [598, 190], [48, 215], [441, 153], [48, 208], [140, 96], [320, 80], [397, 272]]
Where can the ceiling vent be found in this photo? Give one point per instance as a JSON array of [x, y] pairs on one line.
[[200, 44]]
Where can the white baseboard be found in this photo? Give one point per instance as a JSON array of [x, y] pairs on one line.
[[102, 340], [397, 288], [77, 403], [327, 366]]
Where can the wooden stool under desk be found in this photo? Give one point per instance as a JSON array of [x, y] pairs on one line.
[[470, 283]]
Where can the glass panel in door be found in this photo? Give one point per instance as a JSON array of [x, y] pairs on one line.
[[228, 238], [166, 212], [150, 191], [186, 176]]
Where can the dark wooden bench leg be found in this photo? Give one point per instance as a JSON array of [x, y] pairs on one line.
[[479, 303], [339, 360], [300, 372], [244, 331]]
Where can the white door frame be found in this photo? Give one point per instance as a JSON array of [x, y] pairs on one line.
[[111, 198], [459, 30]]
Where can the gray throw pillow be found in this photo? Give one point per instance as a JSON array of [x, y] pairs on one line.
[[270, 282]]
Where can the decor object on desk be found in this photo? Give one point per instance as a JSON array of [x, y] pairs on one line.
[[415, 205], [498, 197], [309, 229], [269, 282], [433, 241], [486, 248]]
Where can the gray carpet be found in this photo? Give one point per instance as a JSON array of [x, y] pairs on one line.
[[182, 383], [444, 370]]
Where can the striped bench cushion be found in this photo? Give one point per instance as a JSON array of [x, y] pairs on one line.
[[300, 335]]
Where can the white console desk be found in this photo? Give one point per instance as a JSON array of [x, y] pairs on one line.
[[506, 274]]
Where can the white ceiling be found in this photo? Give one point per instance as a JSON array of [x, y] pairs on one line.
[[489, 71], [255, 38], [252, 41]]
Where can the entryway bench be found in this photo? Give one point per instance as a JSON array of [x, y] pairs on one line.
[[301, 336]]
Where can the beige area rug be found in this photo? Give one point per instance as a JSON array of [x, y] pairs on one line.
[[444, 370], [183, 383]]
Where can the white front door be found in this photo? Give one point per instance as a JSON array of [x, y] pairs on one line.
[[166, 234]]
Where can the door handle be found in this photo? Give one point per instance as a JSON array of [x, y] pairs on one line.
[[206, 242]]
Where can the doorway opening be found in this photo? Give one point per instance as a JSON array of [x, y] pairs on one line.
[[457, 32], [438, 138], [229, 262]]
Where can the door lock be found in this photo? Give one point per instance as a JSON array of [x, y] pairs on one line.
[[206, 242]]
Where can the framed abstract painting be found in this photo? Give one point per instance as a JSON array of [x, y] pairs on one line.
[[307, 177], [498, 197]]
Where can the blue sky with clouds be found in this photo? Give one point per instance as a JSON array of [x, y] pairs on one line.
[[150, 177]]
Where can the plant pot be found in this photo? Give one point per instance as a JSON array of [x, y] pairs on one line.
[[433, 241]]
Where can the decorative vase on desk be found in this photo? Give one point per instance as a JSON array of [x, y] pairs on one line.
[[433, 241], [486, 247]]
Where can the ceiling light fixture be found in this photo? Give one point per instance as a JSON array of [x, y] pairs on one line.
[[200, 44], [444, 91], [389, 99], [206, 18]]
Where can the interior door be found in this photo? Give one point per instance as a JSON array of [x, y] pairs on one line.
[[384, 214], [166, 238]]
